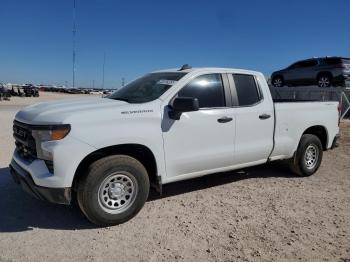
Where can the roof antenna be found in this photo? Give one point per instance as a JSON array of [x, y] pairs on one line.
[[185, 66]]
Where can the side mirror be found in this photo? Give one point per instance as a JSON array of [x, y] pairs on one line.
[[183, 104]]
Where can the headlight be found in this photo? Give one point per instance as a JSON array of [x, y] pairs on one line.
[[48, 133]]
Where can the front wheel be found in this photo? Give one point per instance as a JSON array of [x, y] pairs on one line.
[[114, 190], [308, 156], [324, 81]]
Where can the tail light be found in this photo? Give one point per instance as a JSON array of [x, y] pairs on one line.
[[342, 65]]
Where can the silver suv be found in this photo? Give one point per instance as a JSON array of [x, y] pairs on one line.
[[323, 71]]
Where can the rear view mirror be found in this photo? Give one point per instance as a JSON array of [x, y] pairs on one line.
[[183, 104]]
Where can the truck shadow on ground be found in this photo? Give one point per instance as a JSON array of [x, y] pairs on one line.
[[275, 169], [21, 212]]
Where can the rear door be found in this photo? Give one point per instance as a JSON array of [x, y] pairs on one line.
[[202, 140], [254, 119]]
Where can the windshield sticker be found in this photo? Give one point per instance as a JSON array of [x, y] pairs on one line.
[[166, 82]]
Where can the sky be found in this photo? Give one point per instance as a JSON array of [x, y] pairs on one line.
[[142, 36]]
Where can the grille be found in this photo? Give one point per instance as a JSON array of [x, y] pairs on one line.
[[25, 142]]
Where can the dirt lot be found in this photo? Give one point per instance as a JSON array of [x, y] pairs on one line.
[[259, 214]]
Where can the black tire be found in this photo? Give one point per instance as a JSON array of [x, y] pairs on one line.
[[324, 80], [91, 200], [277, 81], [300, 164]]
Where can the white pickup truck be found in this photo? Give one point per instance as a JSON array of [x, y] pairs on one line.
[[164, 127]]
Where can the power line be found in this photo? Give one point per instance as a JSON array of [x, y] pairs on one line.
[[103, 70], [74, 35]]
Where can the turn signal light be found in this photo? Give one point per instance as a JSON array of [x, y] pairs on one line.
[[59, 134]]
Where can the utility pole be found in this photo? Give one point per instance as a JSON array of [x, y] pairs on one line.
[[103, 70], [74, 33], [93, 84], [123, 81]]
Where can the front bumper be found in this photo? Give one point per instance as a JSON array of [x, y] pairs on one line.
[[67, 155], [53, 195]]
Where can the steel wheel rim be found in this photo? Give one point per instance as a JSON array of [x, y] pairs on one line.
[[311, 156], [277, 82], [117, 192], [324, 82]]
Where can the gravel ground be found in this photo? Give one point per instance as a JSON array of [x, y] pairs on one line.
[[258, 214]]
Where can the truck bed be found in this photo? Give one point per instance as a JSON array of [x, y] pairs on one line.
[[293, 117], [305, 94]]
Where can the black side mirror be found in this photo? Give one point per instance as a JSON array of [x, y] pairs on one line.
[[183, 104]]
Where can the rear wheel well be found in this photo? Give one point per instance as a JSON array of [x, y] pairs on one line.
[[320, 132], [137, 151]]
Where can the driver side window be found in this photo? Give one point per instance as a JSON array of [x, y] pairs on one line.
[[208, 89]]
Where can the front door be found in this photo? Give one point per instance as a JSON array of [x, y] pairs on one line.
[[202, 140]]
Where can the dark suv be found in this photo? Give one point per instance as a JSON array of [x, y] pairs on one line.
[[324, 72]]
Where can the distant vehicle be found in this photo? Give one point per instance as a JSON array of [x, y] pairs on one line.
[[164, 127], [17, 91], [324, 72], [96, 92], [73, 91], [30, 90], [4, 93], [49, 88], [107, 92]]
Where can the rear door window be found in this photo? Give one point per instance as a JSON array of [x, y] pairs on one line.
[[303, 64], [332, 61], [247, 90]]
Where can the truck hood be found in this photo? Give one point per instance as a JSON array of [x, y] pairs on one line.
[[57, 111]]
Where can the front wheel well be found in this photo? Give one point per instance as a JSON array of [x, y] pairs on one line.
[[137, 151], [324, 73], [320, 132], [277, 76]]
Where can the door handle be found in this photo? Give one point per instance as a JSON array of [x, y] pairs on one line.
[[264, 116], [224, 119]]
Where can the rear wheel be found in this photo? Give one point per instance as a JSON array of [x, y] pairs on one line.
[[114, 190], [324, 81], [277, 81], [308, 157]]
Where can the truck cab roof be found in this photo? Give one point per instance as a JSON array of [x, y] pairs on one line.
[[210, 69]]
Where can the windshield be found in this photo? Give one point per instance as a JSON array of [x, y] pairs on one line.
[[147, 88]]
